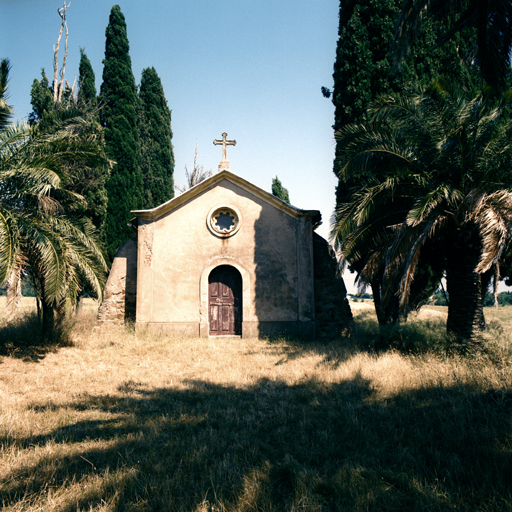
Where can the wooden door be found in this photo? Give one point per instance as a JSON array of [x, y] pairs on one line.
[[225, 301]]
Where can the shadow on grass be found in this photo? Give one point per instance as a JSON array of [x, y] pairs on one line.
[[333, 353], [413, 337], [23, 339], [271, 446]]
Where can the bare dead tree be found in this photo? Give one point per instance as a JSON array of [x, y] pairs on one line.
[[198, 174], [73, 87], [57, 88], [63, 70]]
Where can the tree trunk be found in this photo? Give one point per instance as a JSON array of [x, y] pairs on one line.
[[485, 280], [14, 291], [56, 65], [63, 70], [80, 304], [36, 283], [465, 311], [39, 310], [48, 321], [379, 310], [57, 89], [387, 313], [496, 279]]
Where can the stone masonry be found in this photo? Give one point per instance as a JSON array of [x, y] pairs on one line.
[[332, 310], [119, 300]]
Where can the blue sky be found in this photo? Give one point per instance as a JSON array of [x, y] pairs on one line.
[[251, 68]]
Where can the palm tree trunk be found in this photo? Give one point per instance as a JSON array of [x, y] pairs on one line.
[[387, 313], [496, 278], [36, 283], [79, 304], [48, 321], [379, 310], [465, 311]]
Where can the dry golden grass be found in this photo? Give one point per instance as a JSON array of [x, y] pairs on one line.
[[129, 421]]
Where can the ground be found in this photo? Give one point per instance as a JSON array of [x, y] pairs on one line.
[[129, 421]]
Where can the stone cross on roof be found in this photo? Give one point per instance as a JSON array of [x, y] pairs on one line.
[[224, 164]]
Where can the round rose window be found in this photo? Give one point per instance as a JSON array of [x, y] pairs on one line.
[[224, 221]]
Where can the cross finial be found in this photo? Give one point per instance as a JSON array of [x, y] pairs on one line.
[[224, 164]]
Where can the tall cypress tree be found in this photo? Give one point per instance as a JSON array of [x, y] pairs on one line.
[[94, 188], [363, 71], [86, 85], [157, 163], [118, 95], [363, 65], [41, 99]]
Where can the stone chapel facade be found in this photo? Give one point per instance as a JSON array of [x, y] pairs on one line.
[[227, 258]]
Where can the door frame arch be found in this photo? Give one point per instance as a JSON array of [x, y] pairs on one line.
[[204, 327], [225, 301]]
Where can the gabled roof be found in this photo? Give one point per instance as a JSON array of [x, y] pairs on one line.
[[170, 205]]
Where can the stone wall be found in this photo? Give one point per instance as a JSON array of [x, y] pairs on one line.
[[119, 299], [332, 311]]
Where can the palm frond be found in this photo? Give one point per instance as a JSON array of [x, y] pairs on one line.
[[47, 255], [494, 217], [9, 244], [443, 194], [5, 109], [416, 243], [14, 287]]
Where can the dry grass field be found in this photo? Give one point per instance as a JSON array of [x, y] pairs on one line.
[[125, 421]]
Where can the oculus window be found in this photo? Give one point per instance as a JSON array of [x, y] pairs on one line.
[[224, 221]]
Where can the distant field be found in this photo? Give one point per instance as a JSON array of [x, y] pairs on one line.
[[91, 306], [29, 304], [503, 313], [126, 421]]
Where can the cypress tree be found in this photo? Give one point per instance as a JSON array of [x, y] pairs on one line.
[[118, 95], [363, 65], [157, 157], [86, 85], [363, 71], [279, 191], [94, 187], [41, 98]]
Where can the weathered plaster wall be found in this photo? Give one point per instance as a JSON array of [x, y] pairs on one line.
[[271, 249]]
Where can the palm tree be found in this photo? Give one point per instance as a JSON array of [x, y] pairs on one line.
[[36, 236], [434, 193], [5, 110], [492, 20]]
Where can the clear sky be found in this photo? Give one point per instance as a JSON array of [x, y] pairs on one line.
[[251, 68]]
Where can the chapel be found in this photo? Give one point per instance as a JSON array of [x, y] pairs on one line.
[[226, 258]]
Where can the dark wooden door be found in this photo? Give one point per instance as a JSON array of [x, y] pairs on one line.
[[225, 301]]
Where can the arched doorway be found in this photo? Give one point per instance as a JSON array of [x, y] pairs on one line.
[[225, 301]]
